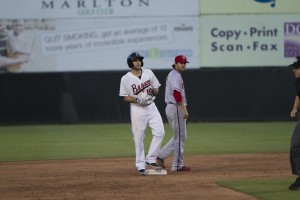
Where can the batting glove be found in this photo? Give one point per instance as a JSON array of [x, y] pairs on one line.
[[141, 102], [145, 102]]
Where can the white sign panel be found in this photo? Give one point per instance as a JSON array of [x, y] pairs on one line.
[[264, 40], [105, 38], [249, 6], [104, 44], [53, 9]]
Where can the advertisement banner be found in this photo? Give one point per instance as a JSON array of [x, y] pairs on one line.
[[57, 9], [249, 6], [98, 44], [249, 40]]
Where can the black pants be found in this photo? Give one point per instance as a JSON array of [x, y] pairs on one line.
[[295, 149]]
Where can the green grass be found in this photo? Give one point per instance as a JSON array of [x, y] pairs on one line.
[[65, 142], [232, 138], [45, 142], [270, 189]]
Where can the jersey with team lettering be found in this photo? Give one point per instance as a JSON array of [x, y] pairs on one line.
[[134, 86], [141, 116], [174, 82]]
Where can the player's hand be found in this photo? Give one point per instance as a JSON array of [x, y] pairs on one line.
[[150, 99], [293, 113], [142, 102], [145, 102], [185, 114], [153, 92], [184, 110]]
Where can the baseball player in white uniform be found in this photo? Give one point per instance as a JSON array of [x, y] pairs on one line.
[[177, 115], [139, 87], [5, 61]]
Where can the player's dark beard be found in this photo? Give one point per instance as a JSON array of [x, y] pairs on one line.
[[137, 67]]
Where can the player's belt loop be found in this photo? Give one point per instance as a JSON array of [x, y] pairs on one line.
[[171, 103]]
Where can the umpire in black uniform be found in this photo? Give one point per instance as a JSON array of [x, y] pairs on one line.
[[295, 140]]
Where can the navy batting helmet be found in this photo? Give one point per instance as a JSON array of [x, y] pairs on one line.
[[132, 57]]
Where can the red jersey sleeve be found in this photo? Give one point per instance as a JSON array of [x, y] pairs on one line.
[[177, 96]]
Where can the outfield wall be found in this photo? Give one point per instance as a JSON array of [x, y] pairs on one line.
[[227, 94]]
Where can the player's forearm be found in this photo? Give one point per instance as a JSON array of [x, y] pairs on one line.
[[129, 99], [296, 103], [20, 52], [10, 61], [295, 107]]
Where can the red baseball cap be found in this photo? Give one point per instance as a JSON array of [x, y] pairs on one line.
[[181, 59]]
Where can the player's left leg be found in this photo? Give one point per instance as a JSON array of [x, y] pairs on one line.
[[156, 124], [167, 150], [180, 135]]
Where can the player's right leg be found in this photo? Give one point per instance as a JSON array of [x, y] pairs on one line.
[[139, 124]]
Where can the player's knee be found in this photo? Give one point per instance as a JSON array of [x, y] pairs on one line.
[[159, 134]]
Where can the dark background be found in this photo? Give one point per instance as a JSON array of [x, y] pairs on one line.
[[213, 94]]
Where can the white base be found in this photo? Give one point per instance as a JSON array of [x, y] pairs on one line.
[[155, 172]]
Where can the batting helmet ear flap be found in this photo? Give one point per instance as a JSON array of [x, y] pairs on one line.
[[133, 56], [129, 62]]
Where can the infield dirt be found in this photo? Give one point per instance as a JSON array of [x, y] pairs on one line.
[[117, 178]]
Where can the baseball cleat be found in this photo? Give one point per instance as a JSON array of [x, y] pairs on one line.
[[142, 172], [181, 169], [295, 185], [154, 166], [161, 162]]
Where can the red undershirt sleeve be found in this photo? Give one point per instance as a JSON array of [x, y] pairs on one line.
[[177, 96]]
